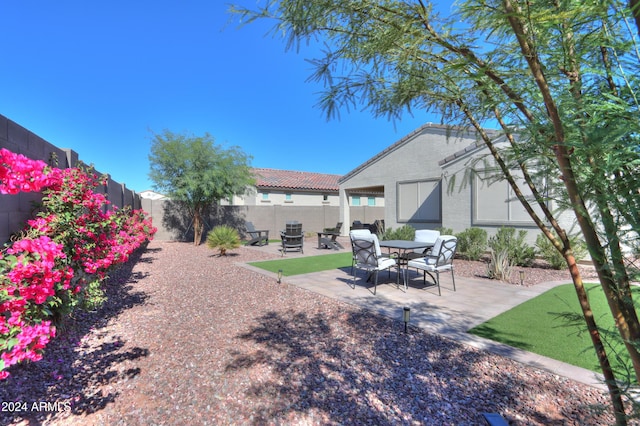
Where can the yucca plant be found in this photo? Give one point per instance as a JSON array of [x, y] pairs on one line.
[[224, 238], [500, 266]]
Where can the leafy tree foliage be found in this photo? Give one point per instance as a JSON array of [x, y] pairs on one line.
[[558, 77], [197, 173]]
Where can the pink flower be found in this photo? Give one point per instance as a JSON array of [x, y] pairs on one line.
[[75, 232]]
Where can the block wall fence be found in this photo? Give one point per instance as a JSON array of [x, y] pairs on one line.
[[171, 223], [172, 226], [16, 209]]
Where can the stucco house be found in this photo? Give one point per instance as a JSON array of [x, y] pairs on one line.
[[152, 195], [415, 175], [312, 198], [289, 187], [296, 188]]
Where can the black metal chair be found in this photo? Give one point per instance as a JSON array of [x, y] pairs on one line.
[[439, 260], [367, 256]]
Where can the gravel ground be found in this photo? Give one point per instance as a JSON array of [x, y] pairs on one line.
[[190, 338]]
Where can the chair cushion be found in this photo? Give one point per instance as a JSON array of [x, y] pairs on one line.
[[426, 236], [385, 262], [427, 263], [359, 233]]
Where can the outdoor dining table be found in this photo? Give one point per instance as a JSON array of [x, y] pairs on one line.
[[402, 247]]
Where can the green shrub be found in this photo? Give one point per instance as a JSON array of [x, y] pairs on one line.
[[472, 243], [405, 232], [444, 231], [548, 252], [224, 238], [94, 296], [513, 244]]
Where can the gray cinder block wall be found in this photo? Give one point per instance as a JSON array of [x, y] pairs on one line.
[[16, 209], [174, 226]]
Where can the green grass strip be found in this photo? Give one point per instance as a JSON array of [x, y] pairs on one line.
[[552, 325], [307, 264]]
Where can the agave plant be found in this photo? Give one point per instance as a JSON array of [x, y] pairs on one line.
[[224, 238]]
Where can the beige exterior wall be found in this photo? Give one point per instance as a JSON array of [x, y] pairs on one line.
[[411, 162], [279, 197], [423, 191], [472, 201]]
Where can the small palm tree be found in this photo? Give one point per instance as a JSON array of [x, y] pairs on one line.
[[224, 238]]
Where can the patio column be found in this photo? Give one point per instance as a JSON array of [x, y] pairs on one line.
[[344, 212]]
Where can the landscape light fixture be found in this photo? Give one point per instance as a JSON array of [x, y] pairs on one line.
[[406, 316], [279, 276], [521, 277]]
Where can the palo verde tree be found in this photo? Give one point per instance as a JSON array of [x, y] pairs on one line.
[[197, 173], [559, 78]]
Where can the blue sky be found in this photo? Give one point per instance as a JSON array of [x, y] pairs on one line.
[[99, 77]]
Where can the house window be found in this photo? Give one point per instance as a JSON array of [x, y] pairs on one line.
[[355, 200], [371, 201], [494, 203], [265, 196], [419, 201], [287, 196], [325, 197]]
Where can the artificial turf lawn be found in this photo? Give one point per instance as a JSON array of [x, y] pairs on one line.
[[552, 325], [307, 264]]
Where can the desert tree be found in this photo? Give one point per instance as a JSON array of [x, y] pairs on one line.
[[197, 173], [559, 78]]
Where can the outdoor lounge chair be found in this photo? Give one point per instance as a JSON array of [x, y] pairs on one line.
[[367, 256], [337, 228], [328, 237], [292, 238], [439, 260], [258, 236]]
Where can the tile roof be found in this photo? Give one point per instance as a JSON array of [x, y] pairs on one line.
[[289, 179]]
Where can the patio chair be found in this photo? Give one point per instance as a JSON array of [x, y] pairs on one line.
[[439, 260], [258, 236], [424, 236], [337, 228], [356, 233], [328, 237], [379, 226], [367, 256], [292, 238], [359, 233]]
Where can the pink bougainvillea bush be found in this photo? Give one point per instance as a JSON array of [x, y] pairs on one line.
[[62, 256]]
